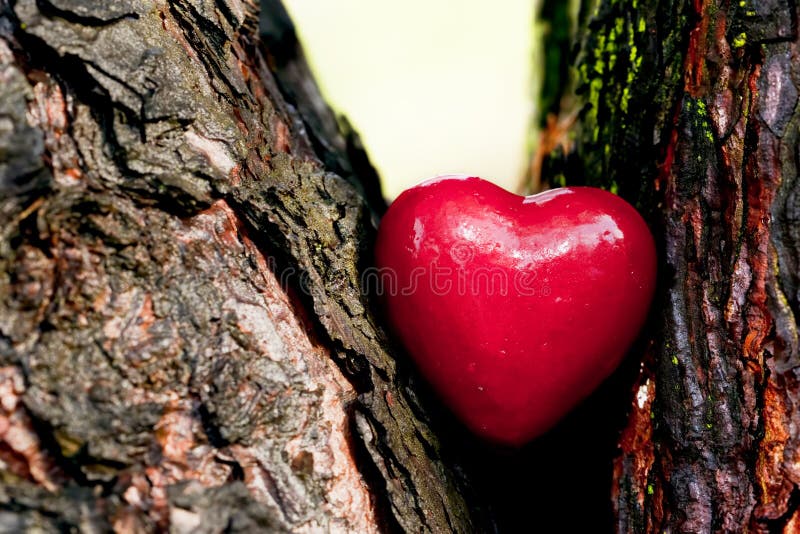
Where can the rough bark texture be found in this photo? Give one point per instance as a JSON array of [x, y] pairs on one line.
[[184, 343], [690, 110]]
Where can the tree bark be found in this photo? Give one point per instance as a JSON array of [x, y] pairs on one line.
[[689, 109], [184, 343]]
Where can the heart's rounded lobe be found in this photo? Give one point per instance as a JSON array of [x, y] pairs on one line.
[[514, 308]]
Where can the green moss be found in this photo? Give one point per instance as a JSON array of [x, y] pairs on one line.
[[701, 108], [698, 108], [740, 40], [650, 489], [674, 360], [595, 89], [626, 96], [608, 74]]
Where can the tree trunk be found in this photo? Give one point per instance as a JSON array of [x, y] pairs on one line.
[[690, 110], [184, 342], [183, 338]]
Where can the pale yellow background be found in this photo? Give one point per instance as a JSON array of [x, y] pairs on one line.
[[433, 86]]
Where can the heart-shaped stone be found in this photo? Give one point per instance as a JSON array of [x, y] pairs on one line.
[[514, 308]]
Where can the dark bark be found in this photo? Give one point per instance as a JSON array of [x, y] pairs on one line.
[[689, 109], [184, 342]]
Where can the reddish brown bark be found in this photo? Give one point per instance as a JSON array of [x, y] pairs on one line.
[[706, 143]]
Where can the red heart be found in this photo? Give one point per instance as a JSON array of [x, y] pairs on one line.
[[514, 308]]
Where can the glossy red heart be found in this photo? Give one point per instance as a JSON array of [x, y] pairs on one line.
[[514, 308]]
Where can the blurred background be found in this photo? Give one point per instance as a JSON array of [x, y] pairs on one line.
[[432, 86]]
